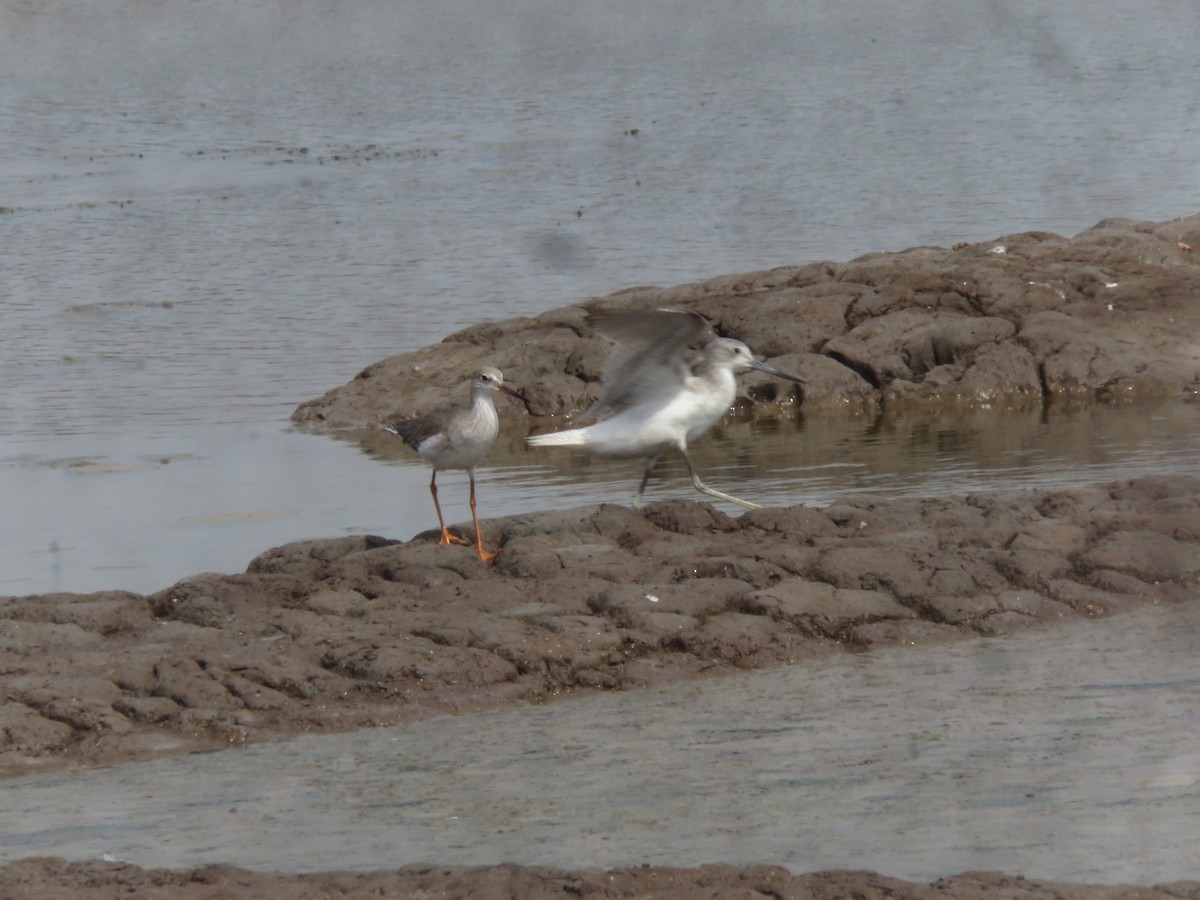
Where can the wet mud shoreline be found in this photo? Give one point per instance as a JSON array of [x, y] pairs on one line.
[[360, 631], [40, 879], [353, 632]]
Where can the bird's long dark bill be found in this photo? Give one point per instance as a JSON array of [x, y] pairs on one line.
[[771, 370], [520, 395]]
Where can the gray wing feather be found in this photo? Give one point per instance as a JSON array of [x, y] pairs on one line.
[[650, 360], [415, 430]]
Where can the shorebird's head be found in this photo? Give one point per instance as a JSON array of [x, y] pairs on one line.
[[727, 353], [488, 380]]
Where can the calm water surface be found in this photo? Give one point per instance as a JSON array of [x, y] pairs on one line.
[[212, 213], [1065, 754]]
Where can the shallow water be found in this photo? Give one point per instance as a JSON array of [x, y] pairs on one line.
[[144, 521], [212, 213], [1068, 754]]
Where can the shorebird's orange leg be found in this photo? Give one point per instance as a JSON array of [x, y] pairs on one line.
[[485, 555], [447, 537]]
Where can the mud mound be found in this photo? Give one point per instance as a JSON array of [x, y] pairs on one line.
[[357, 631], [1109, 314]]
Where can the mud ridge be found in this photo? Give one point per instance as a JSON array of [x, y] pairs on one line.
[[358, 631], [1108, 315]]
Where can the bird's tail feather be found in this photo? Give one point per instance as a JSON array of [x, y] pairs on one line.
[[572, 438]]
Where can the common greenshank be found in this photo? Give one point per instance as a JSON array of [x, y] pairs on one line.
[[652, 399]]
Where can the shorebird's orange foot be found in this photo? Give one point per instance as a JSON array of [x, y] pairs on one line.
[[448, 538], [485, 555]]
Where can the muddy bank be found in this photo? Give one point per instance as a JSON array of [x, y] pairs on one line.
[[357, 631], [1024, 320], [41, 879]]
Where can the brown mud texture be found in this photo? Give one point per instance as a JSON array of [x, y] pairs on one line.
[[51, 879], [359, 631], [1108, 315]]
